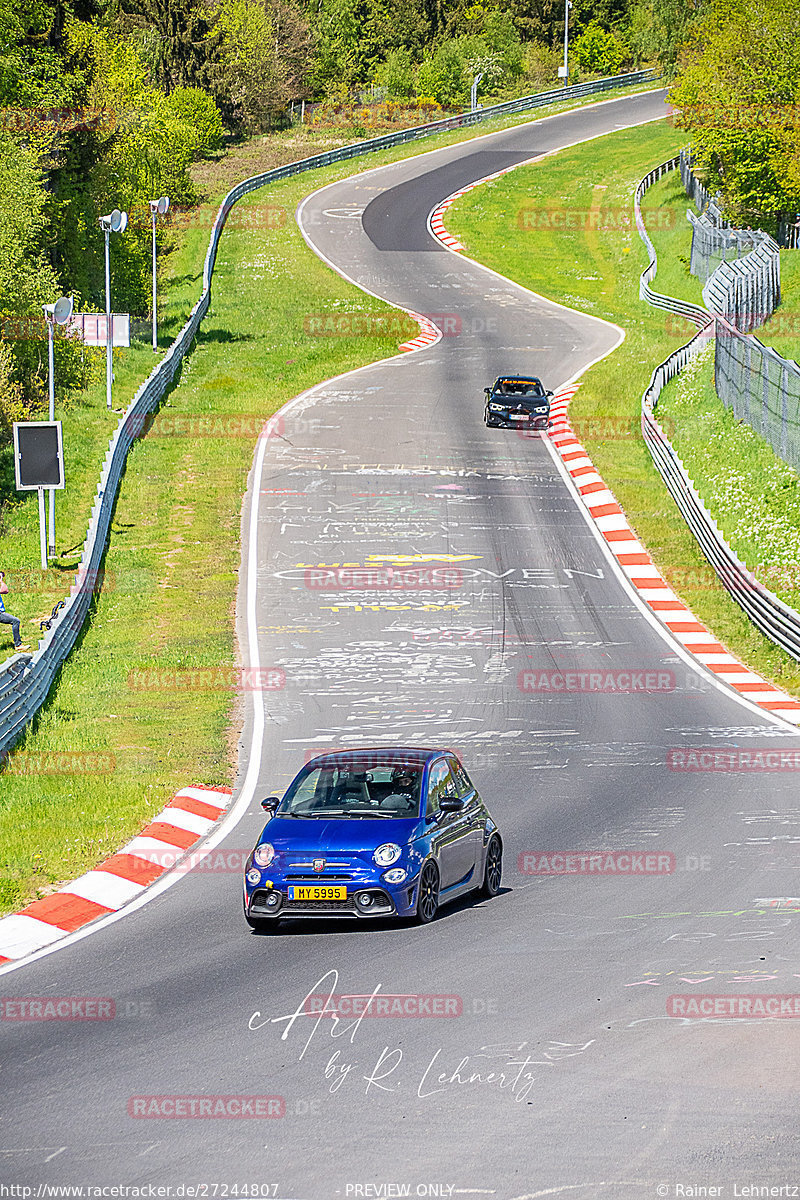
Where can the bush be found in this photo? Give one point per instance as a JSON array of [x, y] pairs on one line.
[[12, 400], [443, 75], [195, 108], [397, 75], [599, 51]]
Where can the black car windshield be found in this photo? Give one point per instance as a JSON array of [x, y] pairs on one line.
[[518, 387], [354, 790]]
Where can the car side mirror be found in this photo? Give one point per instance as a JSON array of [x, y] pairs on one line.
[[270, 804], [449, 804], [487, 391], [548, 394]]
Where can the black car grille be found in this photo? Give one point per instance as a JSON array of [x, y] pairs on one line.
[[319, 905], [322, 877]]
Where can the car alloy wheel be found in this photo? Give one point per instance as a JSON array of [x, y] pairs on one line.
[[428, 894], [493, 871]]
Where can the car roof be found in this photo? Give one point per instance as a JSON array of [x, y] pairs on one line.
[[383, 756], [518, 379]]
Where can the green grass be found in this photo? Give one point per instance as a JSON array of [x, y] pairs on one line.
[[595, 268], [664, 208], [168, 600]]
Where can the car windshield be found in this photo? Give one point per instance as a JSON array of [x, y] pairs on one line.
[[519, 387], [354, 790]]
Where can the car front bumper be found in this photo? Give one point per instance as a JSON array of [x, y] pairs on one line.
[[521, 420], [366, 898]]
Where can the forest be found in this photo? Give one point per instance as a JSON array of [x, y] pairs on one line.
[[118, 98]]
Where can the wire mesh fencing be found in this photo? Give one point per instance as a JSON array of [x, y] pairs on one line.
[[761, 388]]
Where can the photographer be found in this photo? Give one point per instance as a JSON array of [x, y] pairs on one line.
[[6, 617]]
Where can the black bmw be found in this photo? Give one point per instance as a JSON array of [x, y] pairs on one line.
[[517, 400]]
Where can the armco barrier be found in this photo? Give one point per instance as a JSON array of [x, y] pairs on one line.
[[693, 312], [768, 613], [26, 679]]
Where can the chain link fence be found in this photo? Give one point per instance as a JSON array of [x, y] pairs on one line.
[[743, 290], [761, 387], [748, 291]]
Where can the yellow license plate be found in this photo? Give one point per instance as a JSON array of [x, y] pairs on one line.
[[318, 893]]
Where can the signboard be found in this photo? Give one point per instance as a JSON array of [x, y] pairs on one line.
[[38, 455], [91, 328]]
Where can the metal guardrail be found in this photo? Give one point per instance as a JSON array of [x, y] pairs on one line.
[[692, 312], [768, 612], [25, 680]]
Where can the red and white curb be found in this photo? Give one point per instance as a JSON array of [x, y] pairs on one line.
[[159, 847], [436, 222], [428, 333], [639, 567]]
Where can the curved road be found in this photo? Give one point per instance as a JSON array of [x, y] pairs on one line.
[[563, 1072]]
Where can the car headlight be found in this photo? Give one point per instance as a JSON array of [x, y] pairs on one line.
[[396, 875], [264, 854], [496, 408], [254, 875], [387, 854]]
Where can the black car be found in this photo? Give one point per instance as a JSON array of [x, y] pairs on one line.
[[517, 400]]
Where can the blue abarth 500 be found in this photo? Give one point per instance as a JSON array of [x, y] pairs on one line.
[[372, 833]]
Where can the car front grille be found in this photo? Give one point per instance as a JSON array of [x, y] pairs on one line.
[[319, 877], [319, 905]]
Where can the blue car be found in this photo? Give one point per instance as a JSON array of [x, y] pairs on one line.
[[372, 833]]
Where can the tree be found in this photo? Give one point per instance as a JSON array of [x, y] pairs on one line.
[[659, 29], [737, 90], [265, 49], [600, 51], [183, 37]]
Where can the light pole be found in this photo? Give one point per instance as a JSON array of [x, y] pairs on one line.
[[567, 7], [113, 222], [473, 94], [157, 209], [54, 314]]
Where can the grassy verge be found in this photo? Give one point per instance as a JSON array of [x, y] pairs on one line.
[[130, 699], [595, 265]]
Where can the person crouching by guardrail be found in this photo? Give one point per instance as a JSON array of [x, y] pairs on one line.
[[6, 617]]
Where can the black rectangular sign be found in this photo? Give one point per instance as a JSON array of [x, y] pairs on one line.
[[38, 455]]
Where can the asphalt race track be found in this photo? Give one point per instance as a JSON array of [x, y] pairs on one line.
[[561, 1072]]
